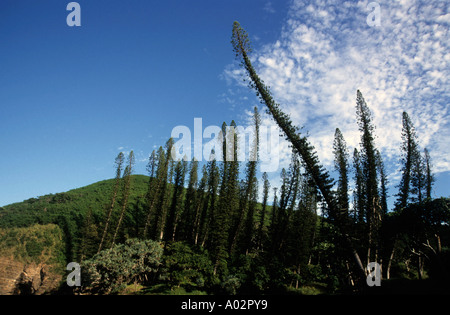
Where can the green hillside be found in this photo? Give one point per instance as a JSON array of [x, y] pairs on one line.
[[34, 244], [75, 203], [64, 227], [69, 210]]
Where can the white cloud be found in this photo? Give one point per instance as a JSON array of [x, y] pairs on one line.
[[327, 51], [268, 7]]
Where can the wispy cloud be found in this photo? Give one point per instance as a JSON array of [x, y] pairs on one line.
[[268, 7], [327, 51]]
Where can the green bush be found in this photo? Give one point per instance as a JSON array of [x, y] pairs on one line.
[[111, 270], [34, 248], [312, 273], [187, 267], [231, 284], [250, 273]]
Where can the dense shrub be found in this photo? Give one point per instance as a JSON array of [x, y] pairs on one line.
[[34, 244], [188, 267], [112, 269]]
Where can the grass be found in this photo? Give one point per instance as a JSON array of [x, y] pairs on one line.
[[314, 288], [159, 289]]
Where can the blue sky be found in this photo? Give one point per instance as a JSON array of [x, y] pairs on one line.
[[71, 98]]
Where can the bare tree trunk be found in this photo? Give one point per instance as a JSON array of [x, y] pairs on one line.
[[349, 274], [438, 239], [391, 257], [419, 267], [298, 275]]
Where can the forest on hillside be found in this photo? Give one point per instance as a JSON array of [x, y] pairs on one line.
[[208, 230]]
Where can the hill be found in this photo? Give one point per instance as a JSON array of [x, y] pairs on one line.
[[49, 231], [71, 211], [75, 203]]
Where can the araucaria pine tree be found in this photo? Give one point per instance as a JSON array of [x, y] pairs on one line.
[[410, 161], [262, 233], [341, 165], [125, 193], [358, 194], [228, 202], [158, 172], [383, 183], [190, 214], [429, 177], [177, 200], [163, 196], [369, 161], [207, 220], [319, 176], [246, 204], [119, 165]]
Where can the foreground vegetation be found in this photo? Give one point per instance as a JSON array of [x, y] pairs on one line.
[[34, 244]]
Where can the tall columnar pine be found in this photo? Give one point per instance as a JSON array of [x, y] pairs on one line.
[[125, 193], [410, 158], [163, 197], [383, 183], [152, 164], [190, 212], [247, 239], [273, 220], [278, 212], [288, 201], [418, 179], [210, 203], [152, 167], [246, 206], [157, 169], [429, 177], [228, 199], [262, 221], [200, 217], [302, 230], [359, 196], [119, 165], [176, 206], [88, 245], [372, 207], [320, 176], [341, 165]]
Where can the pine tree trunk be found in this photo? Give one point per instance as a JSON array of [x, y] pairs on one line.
[[298, 275], [419, 267], [391, 257]]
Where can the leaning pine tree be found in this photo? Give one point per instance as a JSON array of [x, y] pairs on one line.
[[119, 165], [126, 194], [320, 176]]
